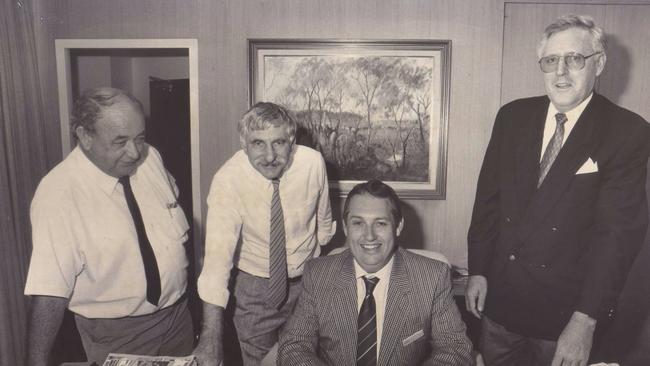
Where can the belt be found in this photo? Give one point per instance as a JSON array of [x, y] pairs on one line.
[[294, 279], [289, 280]]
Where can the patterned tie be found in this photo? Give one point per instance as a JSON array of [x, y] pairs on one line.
[[277, 291], [553, 148], [148, 258], [367, 325]]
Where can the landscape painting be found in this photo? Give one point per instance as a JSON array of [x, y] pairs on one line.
[[373, 109]]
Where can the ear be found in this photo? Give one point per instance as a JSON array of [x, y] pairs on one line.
[[85, 138], [345, 228], [242, 142], [400, 227], [600, 64]]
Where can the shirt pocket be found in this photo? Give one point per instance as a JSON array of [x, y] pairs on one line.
[[169, 220]]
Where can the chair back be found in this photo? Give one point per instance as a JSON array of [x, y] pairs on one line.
[[423, 252]]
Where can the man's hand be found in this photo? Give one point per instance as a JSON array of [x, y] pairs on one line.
[[574, 344], [475, 293], [209, 351]]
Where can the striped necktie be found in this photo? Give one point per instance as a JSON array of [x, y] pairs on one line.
[[367, 327], [553, 148], [277, 291], [148, 258]]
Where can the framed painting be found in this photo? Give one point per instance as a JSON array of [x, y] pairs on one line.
[[374, 109]]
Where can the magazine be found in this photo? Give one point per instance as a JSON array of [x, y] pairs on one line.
[[118, 359]]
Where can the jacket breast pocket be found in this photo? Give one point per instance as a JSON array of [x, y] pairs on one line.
[[584, 188]]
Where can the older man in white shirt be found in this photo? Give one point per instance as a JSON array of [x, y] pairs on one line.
[[108, 235], [268, 214]]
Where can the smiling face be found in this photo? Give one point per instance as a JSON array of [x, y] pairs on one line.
[[371, 231], [269, 150], [568, 88], [117, 144]]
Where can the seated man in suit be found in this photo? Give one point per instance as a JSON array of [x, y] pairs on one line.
[[374, 303]]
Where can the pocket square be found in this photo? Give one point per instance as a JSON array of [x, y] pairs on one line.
[[589, 166], [413, 337]]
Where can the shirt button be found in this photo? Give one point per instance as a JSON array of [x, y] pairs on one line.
[[508, 219], [512, 257], [554, 229]]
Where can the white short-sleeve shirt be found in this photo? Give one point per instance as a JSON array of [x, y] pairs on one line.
[[85, 245]]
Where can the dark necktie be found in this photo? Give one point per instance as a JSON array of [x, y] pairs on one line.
[[553, 148], [277, 291], [367, 327], [148, 258]]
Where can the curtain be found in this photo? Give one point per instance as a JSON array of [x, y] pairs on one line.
[[23, 162]]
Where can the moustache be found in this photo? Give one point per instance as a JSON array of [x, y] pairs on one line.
[[274, 164]]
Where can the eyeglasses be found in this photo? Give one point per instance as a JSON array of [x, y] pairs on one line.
[[574, 61]]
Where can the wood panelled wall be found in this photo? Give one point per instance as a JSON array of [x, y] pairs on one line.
[[222, 28]]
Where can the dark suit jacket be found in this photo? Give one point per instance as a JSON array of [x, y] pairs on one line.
[[568, 245], [323, 327]]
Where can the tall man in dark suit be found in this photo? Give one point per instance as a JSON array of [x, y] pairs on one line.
[[374, 304], [560, 210]]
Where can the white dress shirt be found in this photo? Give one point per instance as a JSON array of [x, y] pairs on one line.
[[380, 293], [85, 245], [550, 124], [238, 220]]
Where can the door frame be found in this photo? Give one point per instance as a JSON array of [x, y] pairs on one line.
[[64, 73]]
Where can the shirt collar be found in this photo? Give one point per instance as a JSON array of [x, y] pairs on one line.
[[383, 274], [573, 114], [89, 171]]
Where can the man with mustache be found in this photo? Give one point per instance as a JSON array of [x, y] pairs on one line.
[[560, 210], [108, 235], [268, 214]]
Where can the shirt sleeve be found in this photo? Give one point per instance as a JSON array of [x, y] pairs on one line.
[[326, 228], [55, 262], [223, 226]]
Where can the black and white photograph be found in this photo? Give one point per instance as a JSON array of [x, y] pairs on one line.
[[324, 182]]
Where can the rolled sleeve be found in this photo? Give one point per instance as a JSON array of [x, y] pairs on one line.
[[223, 226], [325, 226]]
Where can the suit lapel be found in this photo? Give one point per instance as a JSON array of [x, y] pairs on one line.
[[344, 309], [529, 147], [574, 153], [397, 306]]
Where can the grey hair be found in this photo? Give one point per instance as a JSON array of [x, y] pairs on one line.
[[586, 22], [265, 115], [88, 108]]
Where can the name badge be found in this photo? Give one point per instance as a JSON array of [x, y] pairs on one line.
[[412, 338]]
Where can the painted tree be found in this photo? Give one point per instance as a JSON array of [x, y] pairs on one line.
[[394, 97], [369, 74], [418, 79]]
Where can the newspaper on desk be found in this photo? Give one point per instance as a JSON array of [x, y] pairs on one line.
[[118, 359]]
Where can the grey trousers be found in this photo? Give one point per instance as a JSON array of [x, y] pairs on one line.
[[258, 325], [167, 332]]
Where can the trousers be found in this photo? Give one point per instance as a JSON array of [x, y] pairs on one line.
[[167, 332], [258, 325]]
